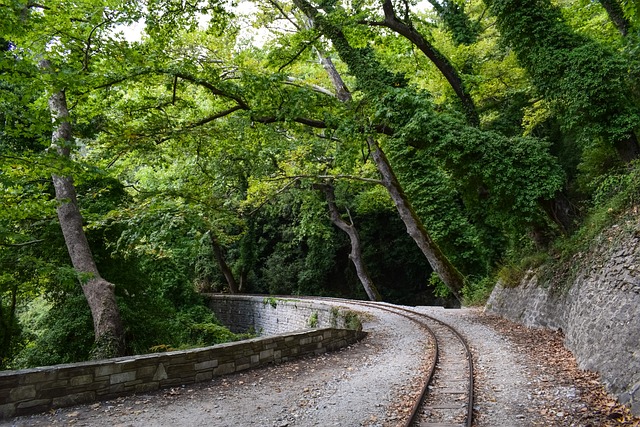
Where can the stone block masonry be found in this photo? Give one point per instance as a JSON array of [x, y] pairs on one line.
[[39, 389], [597, 308], [275, 315]]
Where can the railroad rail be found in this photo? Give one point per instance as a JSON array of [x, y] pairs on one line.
[[446, 397]]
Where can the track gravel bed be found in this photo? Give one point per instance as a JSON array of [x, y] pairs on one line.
[[523, 378], [353, 387], [447, 397], [526, 377]]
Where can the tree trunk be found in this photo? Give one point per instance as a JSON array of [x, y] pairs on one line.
[[224, 267], [344, 95], [8, 329], [447, 272], [342, 91], [242, 287], [392, 22], [100, 294], [616, 15], [356, 252]]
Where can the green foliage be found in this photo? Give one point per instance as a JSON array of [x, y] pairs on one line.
[[477, 292], [352, 320], [194, 133], [294, 250], [273, 302], [617, 193], [631, 10], [596, 166], [210, 333], [36, 265], [155, 321], [362, 61], [440, 289], [617, 201], [511, 275], [200, 328], [313, 320], [438, 204], [335, 312], [583, 80], [500, 178], [55, 333], [463, 29], [395, 264]]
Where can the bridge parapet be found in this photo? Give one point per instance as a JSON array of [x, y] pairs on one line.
[[267, 315], [34, 390]]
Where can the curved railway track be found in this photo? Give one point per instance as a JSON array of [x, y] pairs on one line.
[[446, 397], [437, 395]]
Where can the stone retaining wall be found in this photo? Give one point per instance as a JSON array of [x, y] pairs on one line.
[[39, 389], [275, 315], [597, 308]]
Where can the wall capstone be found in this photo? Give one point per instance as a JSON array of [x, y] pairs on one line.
[[28, 391]]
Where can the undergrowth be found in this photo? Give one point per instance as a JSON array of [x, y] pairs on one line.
[[616, 199]]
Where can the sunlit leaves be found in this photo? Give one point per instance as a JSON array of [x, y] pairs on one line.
[[582, 79]]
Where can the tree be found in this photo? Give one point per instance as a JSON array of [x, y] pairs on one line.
[[70, 33], [583, 81], [356, 247], [100, 294], [616, 14], [213, 146], [218, 254], [372, 79], [447, 272], [443, 64]]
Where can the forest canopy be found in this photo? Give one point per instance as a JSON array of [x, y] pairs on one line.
[[414, 152]]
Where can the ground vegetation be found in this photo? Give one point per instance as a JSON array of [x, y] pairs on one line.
[[153, 151]]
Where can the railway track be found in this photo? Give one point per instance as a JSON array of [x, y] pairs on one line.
[[446, 398]]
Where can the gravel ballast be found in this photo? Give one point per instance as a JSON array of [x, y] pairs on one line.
[[523, 378]]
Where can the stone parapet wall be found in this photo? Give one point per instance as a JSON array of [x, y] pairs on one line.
[[267, 315], [35, 390], [598, 309]]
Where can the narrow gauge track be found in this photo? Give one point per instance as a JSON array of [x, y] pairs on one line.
[[446, 397]]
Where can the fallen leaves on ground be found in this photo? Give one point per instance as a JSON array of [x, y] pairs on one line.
[[556, 366]]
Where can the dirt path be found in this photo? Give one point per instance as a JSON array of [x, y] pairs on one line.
[[525, 378]]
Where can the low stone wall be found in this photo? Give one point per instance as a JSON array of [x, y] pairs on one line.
[[276, 315], [39, 389], [598, 309]]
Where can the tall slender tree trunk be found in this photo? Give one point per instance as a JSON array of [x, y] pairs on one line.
[[616, 15], [100, 294], [222, 264], [441, 62], [242, 285], [356, 248], [447, 272], [344, 95]]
